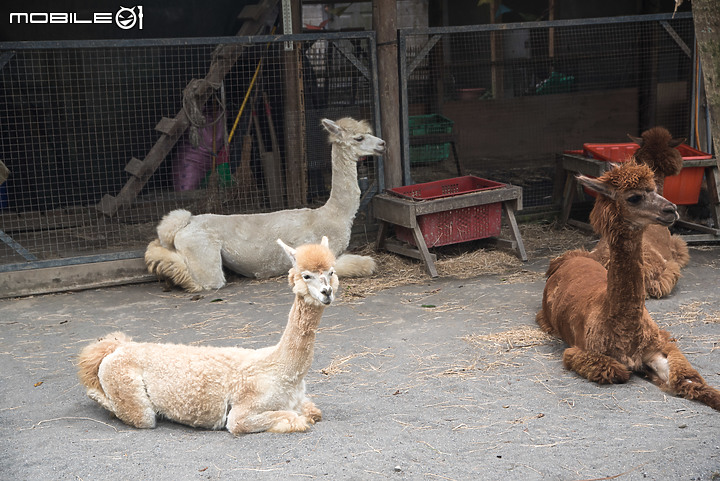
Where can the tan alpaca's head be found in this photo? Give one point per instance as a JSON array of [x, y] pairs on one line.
[[627, 200], [313, 272], [355, 135]]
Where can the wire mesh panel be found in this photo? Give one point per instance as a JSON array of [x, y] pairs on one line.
[[102, 140], [518, 95]]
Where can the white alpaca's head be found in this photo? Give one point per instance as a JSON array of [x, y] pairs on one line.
[[355, 135], [313, 272]]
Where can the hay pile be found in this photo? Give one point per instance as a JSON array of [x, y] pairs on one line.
[[467, 260], [516, 338]]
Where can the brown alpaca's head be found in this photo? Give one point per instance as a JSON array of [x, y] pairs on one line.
[[313, 272], [355, 135], [627, 201], [657, 150]]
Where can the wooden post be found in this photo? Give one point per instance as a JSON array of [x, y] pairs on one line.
[[385, 25], [496, 55], [551, 33], [296, 167]]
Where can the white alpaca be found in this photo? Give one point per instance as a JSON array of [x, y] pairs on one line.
[[192, 249], [243, 390]]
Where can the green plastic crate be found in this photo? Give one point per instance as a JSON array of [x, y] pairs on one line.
[[429, 153], [425, 125]]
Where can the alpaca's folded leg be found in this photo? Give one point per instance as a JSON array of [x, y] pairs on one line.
[[680, 251], [595, 367], [311, 411], [203, 257], [684, 381], [661, 284], [168, 264], [128, 400], [542, 321], [271, 421]]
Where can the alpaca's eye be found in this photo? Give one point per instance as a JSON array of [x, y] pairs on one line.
[[359, 138], [307, 277], [634, 199]]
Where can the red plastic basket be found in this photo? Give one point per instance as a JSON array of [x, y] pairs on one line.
[[681, 189], [445, 188], [452, 226]]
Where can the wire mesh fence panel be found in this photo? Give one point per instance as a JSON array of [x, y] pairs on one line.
[[517, 95], [102, 141]]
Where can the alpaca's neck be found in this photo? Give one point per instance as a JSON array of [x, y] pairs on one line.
[[345, 193], [625, 299], [659, 183], [294, 353]]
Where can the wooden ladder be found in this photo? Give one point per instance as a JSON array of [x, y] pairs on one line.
[[256, 17]]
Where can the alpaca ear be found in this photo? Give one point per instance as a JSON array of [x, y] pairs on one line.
[[324, 242], [288, 250], [637, 140], [597, 186], [676, 142], [331, 126]]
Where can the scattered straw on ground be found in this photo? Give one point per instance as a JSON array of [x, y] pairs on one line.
[[516, 338], [467, 260]]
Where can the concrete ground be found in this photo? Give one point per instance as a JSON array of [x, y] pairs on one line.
[[445, 380]]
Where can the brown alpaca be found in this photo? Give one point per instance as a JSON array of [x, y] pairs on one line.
[[657, 150], [664, 254], [243, 390], [601, 313]]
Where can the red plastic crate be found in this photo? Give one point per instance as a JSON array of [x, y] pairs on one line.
[[452, 226], [681, 189], [623, 151], [445, 188]]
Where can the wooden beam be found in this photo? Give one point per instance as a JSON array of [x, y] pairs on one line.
[[224, 57], [384, 14]]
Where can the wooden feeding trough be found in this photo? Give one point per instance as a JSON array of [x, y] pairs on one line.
[[682, 189], [446, 212]]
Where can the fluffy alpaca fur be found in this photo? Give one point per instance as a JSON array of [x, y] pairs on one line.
[[657, 151], [664, 254], [601, 313], [243, 390], [191, 250]]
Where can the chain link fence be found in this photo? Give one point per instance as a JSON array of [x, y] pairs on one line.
[[515, 96], [101, 139]]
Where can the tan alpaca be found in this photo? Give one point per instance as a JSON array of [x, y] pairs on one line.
[[664, 254], [191, 250], [601, 313], [243, 390]]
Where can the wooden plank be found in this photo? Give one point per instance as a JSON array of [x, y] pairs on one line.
[[515, 231], [224, 57], [135, 167], [568, 198], [712, 177], [580, 225], [394, 210], [698, 227], [582, 165], [405, 250], [250, 12], [73, 277], [700, 238], [471, 199], [424, 252], [167, 126]]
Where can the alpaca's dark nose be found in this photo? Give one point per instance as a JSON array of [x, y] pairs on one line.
[[326, 291], [670, 209]]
